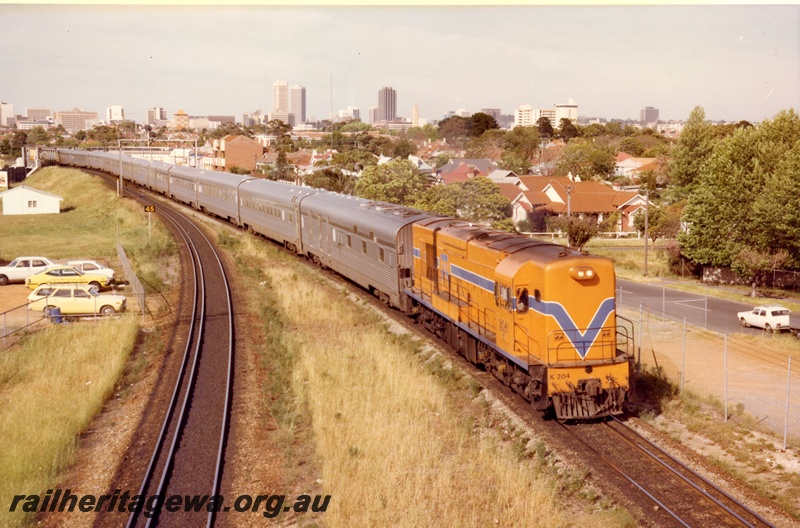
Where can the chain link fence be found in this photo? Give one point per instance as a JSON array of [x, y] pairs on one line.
[[746, 374]]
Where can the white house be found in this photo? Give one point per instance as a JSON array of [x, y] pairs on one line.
[[26, 200]]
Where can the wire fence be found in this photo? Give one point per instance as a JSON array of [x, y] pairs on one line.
[[747, 374], [133, 280]]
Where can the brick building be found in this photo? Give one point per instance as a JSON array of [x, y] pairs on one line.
[[236, 151]]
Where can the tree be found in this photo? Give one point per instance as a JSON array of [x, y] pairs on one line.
[[567, 130], [523, 141], [579, 230], [753, 265], [477, 200], [403, 148], [488, 145], [745, 197], [282, 170], [545, 128], [480, 123], [694, 147], [455, 130], [38, 136], [331, 179], [481, 201], [397, 182], [586, 159]]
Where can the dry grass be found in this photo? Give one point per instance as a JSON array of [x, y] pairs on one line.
[[50, 388]]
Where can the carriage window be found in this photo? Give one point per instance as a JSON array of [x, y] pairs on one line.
[[349, 241], [381, 255], [522, 300], [363, 247]]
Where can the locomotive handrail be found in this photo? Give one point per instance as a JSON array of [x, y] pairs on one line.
[[575, 341]]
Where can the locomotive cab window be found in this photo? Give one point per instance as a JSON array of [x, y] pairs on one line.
[[522, 300]]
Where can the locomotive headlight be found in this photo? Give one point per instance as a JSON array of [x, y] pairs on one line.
[[581, 273]]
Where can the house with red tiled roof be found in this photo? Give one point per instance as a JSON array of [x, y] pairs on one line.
[[544, 196], [631, 167], [236, 151]]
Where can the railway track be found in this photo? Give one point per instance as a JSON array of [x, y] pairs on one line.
[[188, 456], [681, 495]]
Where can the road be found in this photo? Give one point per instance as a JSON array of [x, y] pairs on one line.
[[700, 310]]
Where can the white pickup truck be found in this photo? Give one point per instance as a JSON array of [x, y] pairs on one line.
[[771, 318], [23, 267]]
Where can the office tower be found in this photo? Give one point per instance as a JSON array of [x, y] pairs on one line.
[[297, 100], [648, 114], [115, 114], [156, 114], [387, 104], [415, 115], [280, 94]]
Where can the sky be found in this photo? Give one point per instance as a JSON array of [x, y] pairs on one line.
[[737, 62]]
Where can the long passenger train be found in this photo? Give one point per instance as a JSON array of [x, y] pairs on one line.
[[539, 316]]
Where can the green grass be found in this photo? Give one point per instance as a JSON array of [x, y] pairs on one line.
[[88, 226], [53, 382]]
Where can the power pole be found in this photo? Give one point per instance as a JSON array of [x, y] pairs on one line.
[[646, 226]]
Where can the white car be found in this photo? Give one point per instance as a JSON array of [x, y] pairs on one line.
[[92, 267], [771, 318], [21, 268]]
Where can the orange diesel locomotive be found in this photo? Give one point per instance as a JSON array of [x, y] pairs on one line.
[[539, 316]]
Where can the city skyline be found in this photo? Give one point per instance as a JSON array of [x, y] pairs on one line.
[[735, 61]]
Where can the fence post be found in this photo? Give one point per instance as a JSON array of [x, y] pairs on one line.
[[725, 369], [683, 355], [639, 361], [786, 415]]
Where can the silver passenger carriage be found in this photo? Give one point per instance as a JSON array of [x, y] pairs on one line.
[[272, 209], [369, 242], [105, 161], [134, 170], [158, 176], [217, 193], [73, 158], [183, 184]]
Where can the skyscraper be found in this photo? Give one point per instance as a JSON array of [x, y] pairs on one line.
[[648, 114], [387, 104], [297, 102], [280, 94]]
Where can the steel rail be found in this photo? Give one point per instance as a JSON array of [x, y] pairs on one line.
[[217, 477], [178, 383], [627, 477], [693, 472]]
